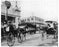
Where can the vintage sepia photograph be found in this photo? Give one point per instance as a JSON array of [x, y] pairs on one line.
[[29, 23]]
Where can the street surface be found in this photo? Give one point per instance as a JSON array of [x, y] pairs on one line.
[[34, 40]]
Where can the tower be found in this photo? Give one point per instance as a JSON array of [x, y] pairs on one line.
[[17, 18], [16, 8]]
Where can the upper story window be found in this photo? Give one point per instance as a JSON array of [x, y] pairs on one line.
[[25, 20], [28, 19], [32, 19], [40, 20]]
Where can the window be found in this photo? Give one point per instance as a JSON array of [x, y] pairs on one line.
[[28, 19], [25, 19], [32, 19]]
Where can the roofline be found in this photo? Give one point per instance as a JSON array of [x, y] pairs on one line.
[[12, 15]]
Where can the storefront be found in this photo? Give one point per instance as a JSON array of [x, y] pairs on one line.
[[10, 14], [11, 17]]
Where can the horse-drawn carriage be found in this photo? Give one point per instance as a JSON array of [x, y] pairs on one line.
[[22, 30], [19, 33], [48, 30]]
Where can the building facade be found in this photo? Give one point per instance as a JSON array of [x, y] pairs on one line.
[[12, 16], [35, 20]]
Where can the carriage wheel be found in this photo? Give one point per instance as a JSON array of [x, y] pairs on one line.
[[10, 40], [24, 37], [21, 38]]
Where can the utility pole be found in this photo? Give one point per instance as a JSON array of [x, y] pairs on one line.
[[7, 4]]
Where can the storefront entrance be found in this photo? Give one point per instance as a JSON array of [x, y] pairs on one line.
[[9, 18]]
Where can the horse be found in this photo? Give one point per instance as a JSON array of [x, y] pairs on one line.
[[48, 31], [21, 34], [51, 31]]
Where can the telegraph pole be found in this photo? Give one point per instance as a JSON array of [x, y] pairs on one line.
[[7, 4]]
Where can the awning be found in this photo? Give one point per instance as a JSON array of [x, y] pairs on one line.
[[28, 25], [12, 15]]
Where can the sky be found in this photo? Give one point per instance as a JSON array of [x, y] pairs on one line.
[[46, 9]]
